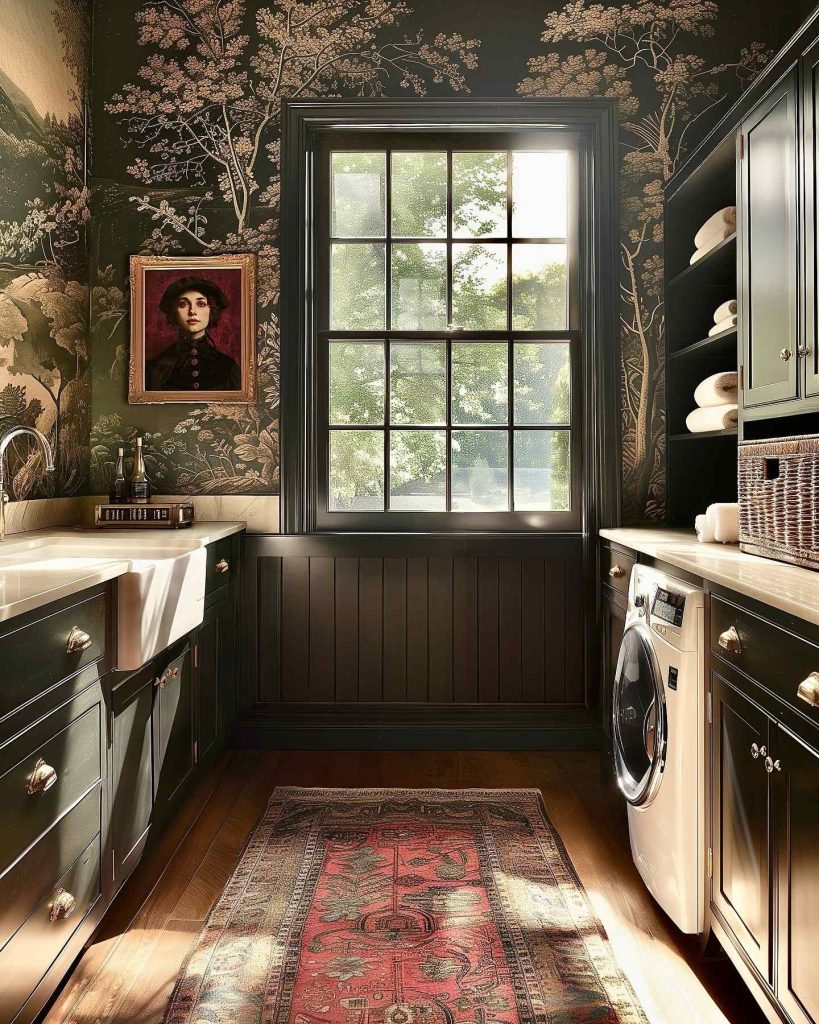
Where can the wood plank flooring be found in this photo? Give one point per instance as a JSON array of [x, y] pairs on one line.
[[126, 976]]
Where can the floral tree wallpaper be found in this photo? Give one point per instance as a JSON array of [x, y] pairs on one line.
[[185, 112], [44, 212]]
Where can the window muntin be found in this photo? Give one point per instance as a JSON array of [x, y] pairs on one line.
[[448, 345]]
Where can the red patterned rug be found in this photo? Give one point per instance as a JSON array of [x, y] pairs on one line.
[[390, 906]]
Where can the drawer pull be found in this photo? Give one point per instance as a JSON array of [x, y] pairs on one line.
[[42, 778], [757, 751], [729, 640], [222, 565], [617, 572], [808, 690], [772, 766], [78, 640], [63, 906]]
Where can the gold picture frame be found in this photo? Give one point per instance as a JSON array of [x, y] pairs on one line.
[[193, 329]]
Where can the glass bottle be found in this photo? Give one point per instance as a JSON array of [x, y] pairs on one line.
[[119, 488], [139, 487]]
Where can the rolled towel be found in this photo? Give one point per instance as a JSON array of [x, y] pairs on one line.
[[705, 535], [724, 218], [718, 389], [723, 518], [726, 310], [710, 242], [714, 417], [723, 325]]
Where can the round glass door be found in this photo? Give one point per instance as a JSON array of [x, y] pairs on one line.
[[639, 718]]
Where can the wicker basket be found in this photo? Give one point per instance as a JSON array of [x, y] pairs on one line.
[[778, 492]]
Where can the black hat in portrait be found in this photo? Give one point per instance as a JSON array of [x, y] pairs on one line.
[[194, 362]]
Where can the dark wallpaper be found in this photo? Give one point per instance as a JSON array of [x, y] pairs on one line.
[[186, 100]]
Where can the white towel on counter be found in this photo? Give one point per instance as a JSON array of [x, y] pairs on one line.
[[726, 310], [723, 519], [723, 325], [705, 535], [714, 417], [724, 220], [710, 243], [718, 389]]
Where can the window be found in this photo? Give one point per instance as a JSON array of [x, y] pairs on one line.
[[446, 354]]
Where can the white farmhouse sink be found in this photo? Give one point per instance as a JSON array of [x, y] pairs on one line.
[[160, 597]]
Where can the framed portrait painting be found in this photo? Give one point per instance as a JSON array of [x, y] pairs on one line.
[[193, 329]]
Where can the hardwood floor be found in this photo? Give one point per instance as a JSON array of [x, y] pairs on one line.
[[126, 976]]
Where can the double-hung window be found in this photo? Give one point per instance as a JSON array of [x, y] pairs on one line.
[[446, 349]]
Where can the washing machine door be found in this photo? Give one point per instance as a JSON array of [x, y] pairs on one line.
[[639, 726]]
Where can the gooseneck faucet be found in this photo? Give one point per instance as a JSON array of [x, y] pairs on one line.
[[5, 441]]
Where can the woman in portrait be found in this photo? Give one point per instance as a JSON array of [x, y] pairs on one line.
[[193, 362]]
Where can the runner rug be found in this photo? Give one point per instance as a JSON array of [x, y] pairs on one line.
[[391, 906]]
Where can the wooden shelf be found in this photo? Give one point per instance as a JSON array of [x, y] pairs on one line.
[[704, 435], [722, 256], [722, 344]]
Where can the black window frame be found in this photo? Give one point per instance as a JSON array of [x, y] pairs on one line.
[[310, 129]]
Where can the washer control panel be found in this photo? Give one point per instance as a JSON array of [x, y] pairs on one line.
[[668, 606]]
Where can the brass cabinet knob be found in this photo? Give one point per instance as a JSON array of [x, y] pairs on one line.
[[785, 354], [808, 690], [161, 680], [63, 906], [729, 640], [222, 565], [617, 572], [803, 351], [78, 640], [757, 751], [42, 778], [772, 766]]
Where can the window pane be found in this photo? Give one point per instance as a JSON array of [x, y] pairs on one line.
[[539, 196], [539, 299], [479, 382], [359, 185], [479, 195], [542, 470], [480, 460], [356, 471], [418, 382], [419, 195], [357, 287], [479, 286], [419, 286], [356, 382], [542, 381], [418, 470]]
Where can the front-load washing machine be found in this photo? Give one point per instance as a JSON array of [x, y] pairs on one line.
[[658, 733]]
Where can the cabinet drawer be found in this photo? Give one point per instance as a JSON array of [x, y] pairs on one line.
[[70, 749], [616, 568], [32, 877], [26, 958], [773, 657], [37, 655], [223, 557]]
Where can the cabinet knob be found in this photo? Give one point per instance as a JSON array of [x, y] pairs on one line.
[[803, 351], [161, 680], [808, 690], [63, 906], [222, 565], [42, 778], [729, 640], [78, 640], [785, 354], [772, 766], [757, 751], [617, 572]]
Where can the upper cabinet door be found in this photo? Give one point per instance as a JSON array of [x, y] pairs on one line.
[[810, 148], [767, 227]]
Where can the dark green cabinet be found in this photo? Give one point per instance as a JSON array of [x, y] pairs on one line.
[[173, 727], [768, 230], [215, 660], [132, 771], [614, 624]]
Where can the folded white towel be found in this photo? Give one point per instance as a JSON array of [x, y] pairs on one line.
[[723, 325], [715, 417], [724, 218], [718, 389], [727, 309], [709, 243], [705, 535], [723, 518]]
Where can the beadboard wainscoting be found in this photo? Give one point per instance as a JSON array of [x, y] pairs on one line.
[[400, 641]]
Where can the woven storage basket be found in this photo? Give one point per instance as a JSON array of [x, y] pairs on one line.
[[778, 499]]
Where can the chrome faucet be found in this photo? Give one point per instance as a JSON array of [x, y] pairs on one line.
[[5, 441]]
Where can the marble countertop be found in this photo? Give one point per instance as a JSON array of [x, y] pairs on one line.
[[787, 587], [46, 565]]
